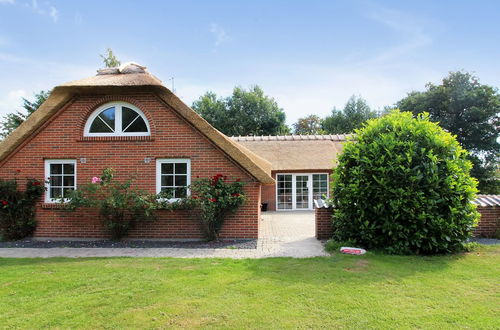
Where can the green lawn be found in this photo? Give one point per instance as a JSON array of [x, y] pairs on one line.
[[372, 291]]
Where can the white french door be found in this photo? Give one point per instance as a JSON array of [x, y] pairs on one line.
[[297, 191]]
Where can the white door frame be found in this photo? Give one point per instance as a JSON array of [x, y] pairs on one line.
[[294, 190]]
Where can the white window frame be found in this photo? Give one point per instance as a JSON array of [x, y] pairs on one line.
[[294, 190], [186, 161], [48, 162], [118, 120]]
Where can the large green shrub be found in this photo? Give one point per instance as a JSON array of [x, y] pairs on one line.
[[404, 186], [17, 208]]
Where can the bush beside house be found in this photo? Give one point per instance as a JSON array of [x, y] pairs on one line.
[[404, 186]]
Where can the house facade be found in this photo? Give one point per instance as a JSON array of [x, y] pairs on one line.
[[127, 120], [301, 166]]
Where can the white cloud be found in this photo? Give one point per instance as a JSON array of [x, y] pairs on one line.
[[54, 14], [11, 101], [43, 9], [9, 2], [219, 33]]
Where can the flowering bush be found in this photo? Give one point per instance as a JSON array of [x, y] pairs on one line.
[[212, 199], [120, 205], [17, 208]]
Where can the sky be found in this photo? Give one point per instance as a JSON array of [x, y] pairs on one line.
[[311, 56]]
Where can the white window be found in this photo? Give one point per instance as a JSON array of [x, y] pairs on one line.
[[173, 177], [117, 119], [60, 175]]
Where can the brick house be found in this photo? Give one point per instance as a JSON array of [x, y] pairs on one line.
[[300, 164], [126, 119]]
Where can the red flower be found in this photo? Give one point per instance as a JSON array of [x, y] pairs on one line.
[[36, 183], [213, 200], [195, 197], [236, 195], [5, 203], [238, 180]]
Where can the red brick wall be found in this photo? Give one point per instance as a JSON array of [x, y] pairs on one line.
[[171, 137], [323, 223], [269, 191], [489, 222], [487, 227]]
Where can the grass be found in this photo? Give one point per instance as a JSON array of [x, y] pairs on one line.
[[371, 291]]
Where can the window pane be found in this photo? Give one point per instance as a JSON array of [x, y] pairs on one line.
[[66, 191], [138, 126], [180, 193], [167, 168], [69, 168], [167, 192], [56, 181], [69, 181], [128, 115], [180, 180], [167, 180], [108, 116], [180, 168], [55, 192], [98, 126], [55, 168]]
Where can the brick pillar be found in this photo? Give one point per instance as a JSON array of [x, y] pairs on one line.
[[489, 223], [323, 223]]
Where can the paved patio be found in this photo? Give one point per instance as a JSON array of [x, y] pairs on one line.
[[282, 234]]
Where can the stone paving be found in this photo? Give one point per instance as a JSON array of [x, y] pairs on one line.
[[282, 234]]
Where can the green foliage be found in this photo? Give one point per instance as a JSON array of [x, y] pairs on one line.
[[244, 113], [404, 186], [109, 59], [120, 205], [309, 125], [212, 199], [355, 113], [470, 246], [17, 208], [12, 121], [470, 110]]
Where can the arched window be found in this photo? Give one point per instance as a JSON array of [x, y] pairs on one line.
[[117, 119]]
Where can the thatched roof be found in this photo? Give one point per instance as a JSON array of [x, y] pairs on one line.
[[296, 152], [129, 79]]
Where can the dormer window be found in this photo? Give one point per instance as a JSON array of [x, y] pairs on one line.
[[117, 119]]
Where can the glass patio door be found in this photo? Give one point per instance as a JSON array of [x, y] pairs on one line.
[[302, 192], [297, 191]]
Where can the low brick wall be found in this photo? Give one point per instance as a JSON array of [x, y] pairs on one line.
[[489, 222], [323, 223], [487, 227]]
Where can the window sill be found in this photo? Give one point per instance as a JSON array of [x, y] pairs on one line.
[[46, 205], [114, 138]]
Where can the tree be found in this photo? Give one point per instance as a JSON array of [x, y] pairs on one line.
[[12, 120], [109, 59], [309, 125], [404, 186], [470, 110], [243, 113], [355, 113]]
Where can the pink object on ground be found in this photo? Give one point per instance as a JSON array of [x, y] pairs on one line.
[[352, 250]]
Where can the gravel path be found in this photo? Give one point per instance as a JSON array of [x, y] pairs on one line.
[[142, 244], [282, 234]]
